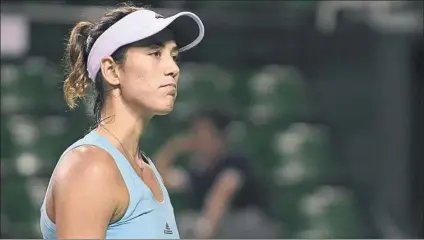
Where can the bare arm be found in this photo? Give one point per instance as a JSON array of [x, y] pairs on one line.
[[165, 158], [84, 194], [218, 201], [175, 179]]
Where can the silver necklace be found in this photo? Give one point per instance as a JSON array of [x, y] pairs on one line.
[[122, 145]]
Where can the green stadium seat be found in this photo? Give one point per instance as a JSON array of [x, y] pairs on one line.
[[330, 214], [305, 151], [277, 91], [36, 85], [7, 146], [201, 85], [17, 206], [10, 75]]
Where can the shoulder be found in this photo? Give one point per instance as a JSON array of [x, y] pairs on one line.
[[87, 165], [86, 192]]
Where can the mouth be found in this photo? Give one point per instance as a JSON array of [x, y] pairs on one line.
[[173, 85], [172, 88]]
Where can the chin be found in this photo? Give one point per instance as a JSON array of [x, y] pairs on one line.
[[164, 107], [164, 111]]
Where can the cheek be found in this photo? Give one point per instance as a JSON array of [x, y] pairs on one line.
[[139, 77], [135, 71], [142, 80]]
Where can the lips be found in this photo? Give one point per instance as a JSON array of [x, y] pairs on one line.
[[172, 88], [170, 85]]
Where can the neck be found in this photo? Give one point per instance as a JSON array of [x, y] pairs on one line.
[[123, 127]]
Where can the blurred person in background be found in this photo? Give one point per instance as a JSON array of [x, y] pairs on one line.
[[224, 186], [103, 185]]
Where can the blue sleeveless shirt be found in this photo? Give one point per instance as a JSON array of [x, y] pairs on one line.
[[144, 218]]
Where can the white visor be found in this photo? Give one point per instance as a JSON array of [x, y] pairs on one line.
[[187, 27]]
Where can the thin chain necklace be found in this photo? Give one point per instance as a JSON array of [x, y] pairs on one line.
[[122, 145]]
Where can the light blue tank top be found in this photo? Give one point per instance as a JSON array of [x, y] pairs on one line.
[[144, 217]]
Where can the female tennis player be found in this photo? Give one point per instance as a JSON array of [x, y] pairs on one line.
[[103, 185]]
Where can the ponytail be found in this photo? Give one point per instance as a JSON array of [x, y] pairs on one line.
[[77, 81]]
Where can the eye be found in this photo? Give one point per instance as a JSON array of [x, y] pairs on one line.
[[156, 53], [176, 58]]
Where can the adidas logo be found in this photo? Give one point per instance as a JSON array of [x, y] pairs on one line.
[[167, 229]]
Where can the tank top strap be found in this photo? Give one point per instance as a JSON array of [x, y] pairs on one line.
[[127, 172], [153, 166]]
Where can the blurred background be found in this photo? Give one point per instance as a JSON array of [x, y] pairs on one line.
[[325, 101]]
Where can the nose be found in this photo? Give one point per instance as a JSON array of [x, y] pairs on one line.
[[171, 67]]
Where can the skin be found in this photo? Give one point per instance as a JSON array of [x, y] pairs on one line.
[[87, 191]]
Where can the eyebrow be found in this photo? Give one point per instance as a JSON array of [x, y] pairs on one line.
[[162, 45]]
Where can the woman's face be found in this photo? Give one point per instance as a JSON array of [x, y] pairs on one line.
[[148, 77]]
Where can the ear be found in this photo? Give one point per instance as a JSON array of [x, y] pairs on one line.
[[109, 70]]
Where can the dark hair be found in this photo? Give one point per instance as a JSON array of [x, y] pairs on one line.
[[76, 54]]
